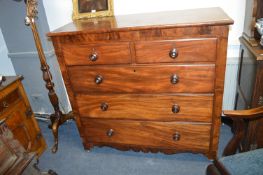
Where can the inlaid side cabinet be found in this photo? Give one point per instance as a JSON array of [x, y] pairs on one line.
[[17, 113], [148, 82]]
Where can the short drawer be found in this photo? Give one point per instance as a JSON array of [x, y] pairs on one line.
[[169, 135], [90, 54], [186, 50], [8, 101], [147, 107], [143, 79]]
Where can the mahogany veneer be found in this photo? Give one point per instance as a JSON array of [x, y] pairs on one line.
[[147, 107], [15, 109], [136, 82], [143, 79]]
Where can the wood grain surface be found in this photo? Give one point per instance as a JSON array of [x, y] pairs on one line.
[[19, 116], [109, 53], [143, 79], [189, 50], [9, 100], [147, 107], [152, 134]]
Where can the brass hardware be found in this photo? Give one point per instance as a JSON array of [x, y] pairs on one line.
[[98, 79], [5, 104], [104, 106], [260, 100], [110, 132], [28, 112], [174, 79], [176, 136], [93, 56], [173, 53], [175, 108]]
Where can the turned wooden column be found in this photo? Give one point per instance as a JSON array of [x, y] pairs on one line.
[[57, 118]]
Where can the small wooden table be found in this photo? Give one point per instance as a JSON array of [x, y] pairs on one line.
[[18, 115]]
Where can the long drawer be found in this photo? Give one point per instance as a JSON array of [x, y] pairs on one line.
[[97, 53], [169, 135], [147, 107], [184, 50], [143, 79]]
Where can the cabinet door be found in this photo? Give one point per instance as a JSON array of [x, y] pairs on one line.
[[22, 123]]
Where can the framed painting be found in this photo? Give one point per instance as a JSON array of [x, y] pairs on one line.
[[92, 8]]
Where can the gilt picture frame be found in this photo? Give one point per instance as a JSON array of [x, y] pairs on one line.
[[92, 8]]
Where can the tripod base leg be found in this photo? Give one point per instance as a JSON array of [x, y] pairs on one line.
[[56, 122]]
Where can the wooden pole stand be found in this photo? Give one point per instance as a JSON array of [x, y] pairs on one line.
[[57, 118]]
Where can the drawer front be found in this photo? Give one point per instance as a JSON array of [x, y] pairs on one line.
[[147, 107], [170, 135], [7, 102], [136, 79], [110, 53], [192, 50]]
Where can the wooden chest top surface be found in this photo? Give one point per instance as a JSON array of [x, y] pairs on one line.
[[170, 19], [9, 80]]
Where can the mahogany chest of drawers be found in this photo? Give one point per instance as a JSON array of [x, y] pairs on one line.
[[15, 110], [148, 82]]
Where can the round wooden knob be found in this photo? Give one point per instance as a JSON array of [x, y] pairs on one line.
[[173, 53], [174, 79], [93, 56], [175, 108], [104, 106], [176, 136], [110, 133], [98, 79]]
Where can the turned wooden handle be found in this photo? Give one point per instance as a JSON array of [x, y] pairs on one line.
[[174, 79], [93, 57], [176, 136], [98, 79], [110, 133], [175, 108], [104, 106], [173, 53]]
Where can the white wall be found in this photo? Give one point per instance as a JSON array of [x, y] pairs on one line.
[[6, 67]]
